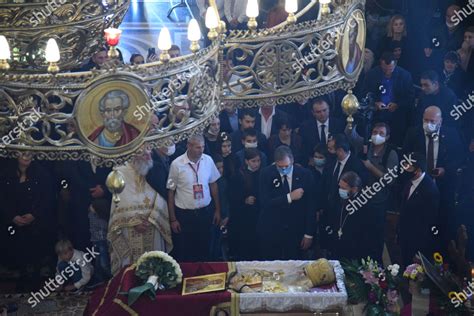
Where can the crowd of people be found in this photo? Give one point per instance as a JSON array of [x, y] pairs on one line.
[[278, 182]]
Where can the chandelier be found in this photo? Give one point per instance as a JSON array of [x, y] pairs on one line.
[[111, 114]]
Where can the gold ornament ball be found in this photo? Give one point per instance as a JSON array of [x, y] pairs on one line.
[[115, 183], [350, 104]]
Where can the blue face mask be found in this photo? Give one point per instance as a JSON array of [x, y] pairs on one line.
[[319, 162], [344, 194], [285, 171]]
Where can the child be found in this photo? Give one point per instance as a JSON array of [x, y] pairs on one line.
[[218, 246], [99, 212], [73, 266]]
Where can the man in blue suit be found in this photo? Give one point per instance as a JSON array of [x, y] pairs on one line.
[[287, 220], [394, 95]]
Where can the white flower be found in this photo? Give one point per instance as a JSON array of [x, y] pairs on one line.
[[394, 269], [165, 257]]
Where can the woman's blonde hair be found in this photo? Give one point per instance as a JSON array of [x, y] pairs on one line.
[[392, 21]]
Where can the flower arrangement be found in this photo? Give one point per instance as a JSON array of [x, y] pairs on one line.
[[368, 282], [159, 271], [414, 272]]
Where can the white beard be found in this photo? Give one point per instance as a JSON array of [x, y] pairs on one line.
[[142, 167]]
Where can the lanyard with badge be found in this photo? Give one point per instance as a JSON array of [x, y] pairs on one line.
[[198, 191]]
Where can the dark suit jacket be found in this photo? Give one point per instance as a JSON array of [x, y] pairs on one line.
[[158, 175], [310, 135], [418, 215], [451, 153], [331, 193], [279, 115], [403, 91], [403, 95], [282, 225], [80, 177], [225, 122], [445, 100]]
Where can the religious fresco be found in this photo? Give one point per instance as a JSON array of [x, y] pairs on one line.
[[105, 117], [351, 47]]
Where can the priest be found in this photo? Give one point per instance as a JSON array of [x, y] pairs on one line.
[[139, 222]]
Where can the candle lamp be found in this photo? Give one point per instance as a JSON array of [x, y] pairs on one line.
[[112, 38], [4, 53], [52, 55]]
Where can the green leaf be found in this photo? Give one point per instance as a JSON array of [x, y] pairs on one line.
[[136, 292]]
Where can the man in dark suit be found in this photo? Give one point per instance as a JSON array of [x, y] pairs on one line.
[[229, 119], [444, 152], [418, 212], [345, 161], [86, 182], [435, 93], [287, 220], [271, 116], [394, 95], [247, 120], [318, 130], [157, 176]]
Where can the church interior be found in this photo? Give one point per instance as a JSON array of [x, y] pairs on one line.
[[237, 157]]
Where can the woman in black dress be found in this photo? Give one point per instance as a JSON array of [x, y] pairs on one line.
[[26, 208]]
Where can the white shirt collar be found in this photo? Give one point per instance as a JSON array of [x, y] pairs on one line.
[[187, 160], [326, 124], [418, 181], [345, 160], [273, 112]]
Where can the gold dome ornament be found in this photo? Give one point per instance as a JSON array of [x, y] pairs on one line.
[[320, 272], [350, 106], [115, 183]]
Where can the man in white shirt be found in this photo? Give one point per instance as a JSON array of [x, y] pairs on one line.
[[192, 187], [235, 12], [204, 4]]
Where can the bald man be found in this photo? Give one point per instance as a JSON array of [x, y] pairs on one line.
[[448, 35], [445, 153]]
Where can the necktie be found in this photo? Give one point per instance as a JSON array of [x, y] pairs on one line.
[[430, 157], [406, 192], [335, 176], [286, 185], [323, 134]]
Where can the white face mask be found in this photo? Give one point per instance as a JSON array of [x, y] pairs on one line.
[[251, 145], [377, 139], [430, 128], [170, 150]]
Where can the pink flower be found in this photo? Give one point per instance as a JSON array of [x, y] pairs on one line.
[[370, 278]]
